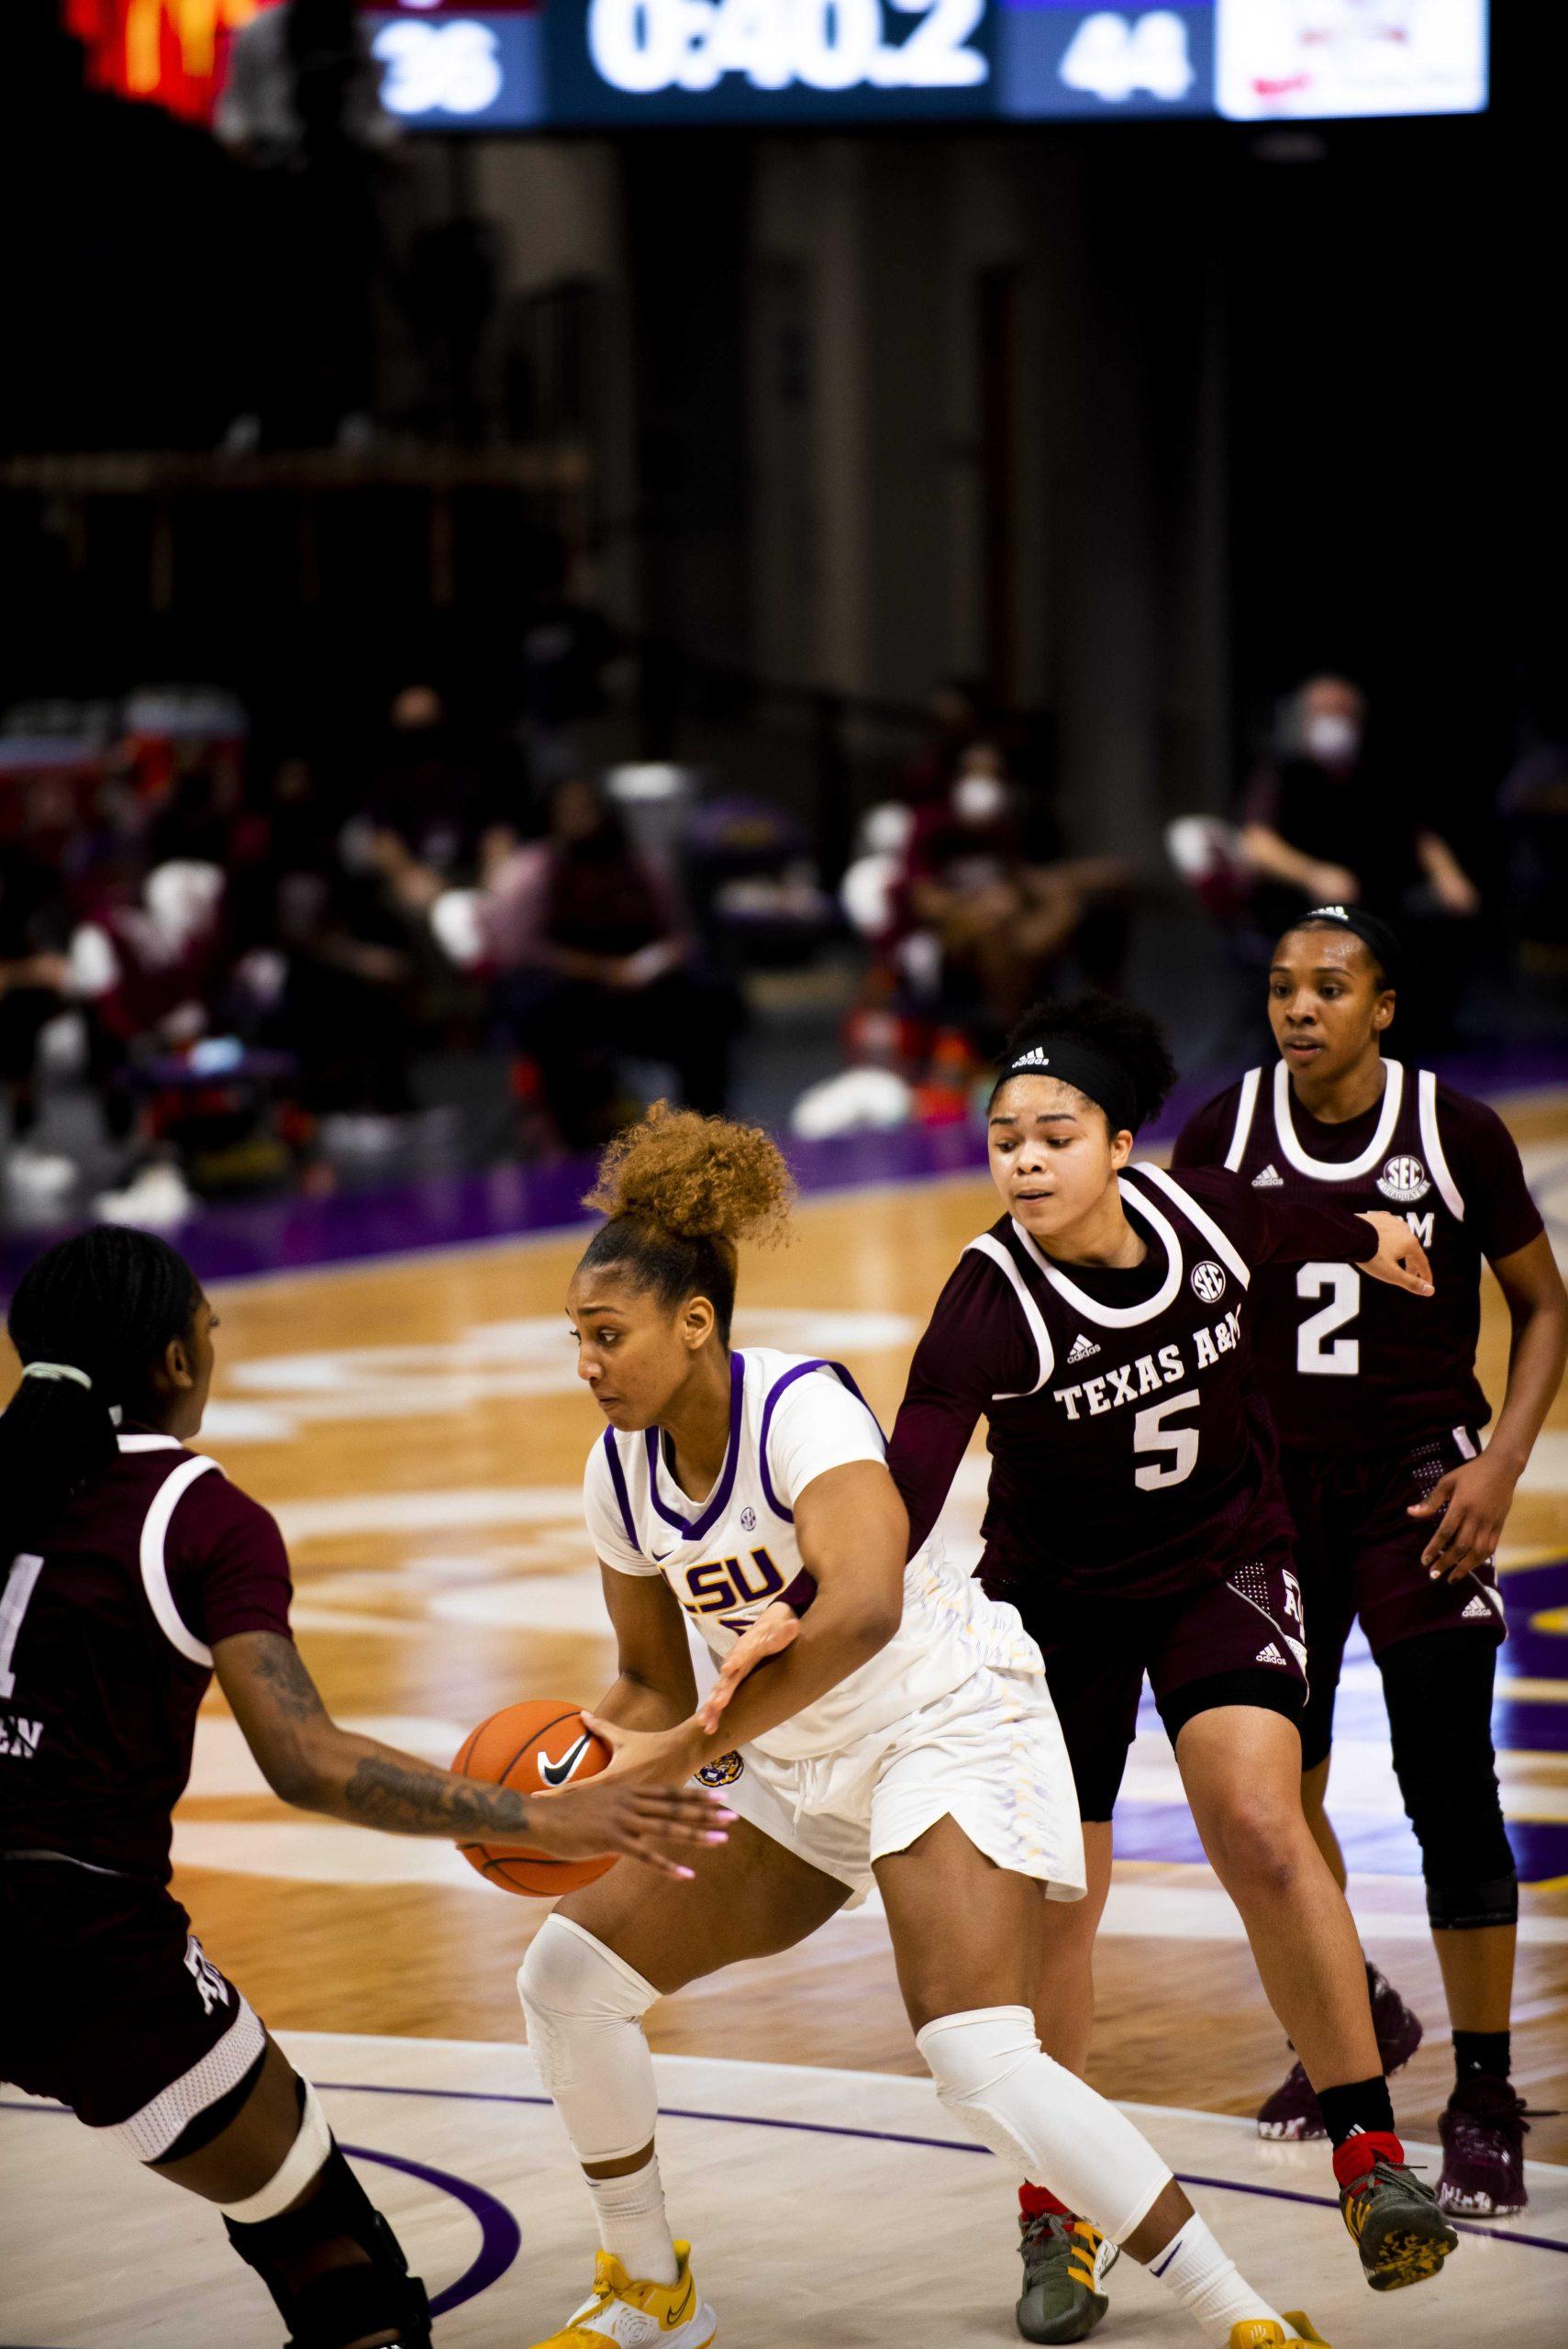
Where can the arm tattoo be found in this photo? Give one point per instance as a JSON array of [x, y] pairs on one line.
[[419, 1802], [281, 1669]]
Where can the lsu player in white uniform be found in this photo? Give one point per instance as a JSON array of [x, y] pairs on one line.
[[879, 1721]]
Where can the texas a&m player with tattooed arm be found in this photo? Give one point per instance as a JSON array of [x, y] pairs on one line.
[[1135, 1520], [889, 1721], [134, 1571], [1399, 1506]]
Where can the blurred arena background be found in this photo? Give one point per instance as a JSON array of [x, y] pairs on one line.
[[433, 490], [559, 553]]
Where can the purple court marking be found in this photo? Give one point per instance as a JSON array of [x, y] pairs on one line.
[[898, 2137], [760, 2121], [500, 2237]]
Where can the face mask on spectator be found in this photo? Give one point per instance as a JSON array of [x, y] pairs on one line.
[[978, 798], [1332, 737]]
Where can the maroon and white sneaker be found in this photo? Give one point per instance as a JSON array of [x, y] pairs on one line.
[[1483, 2134], [1291, 2114], [1399, 2032]]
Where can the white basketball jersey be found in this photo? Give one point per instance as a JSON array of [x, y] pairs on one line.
[[727, 1558]]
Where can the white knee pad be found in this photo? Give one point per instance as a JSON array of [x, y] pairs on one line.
[[583, 2007], [307, 2154], [993, 2075]]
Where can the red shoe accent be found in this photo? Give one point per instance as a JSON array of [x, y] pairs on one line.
[[1035, 2202], [1354, 2159]]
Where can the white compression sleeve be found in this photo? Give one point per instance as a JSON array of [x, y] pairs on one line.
[[584, 2007], [992, 2076]]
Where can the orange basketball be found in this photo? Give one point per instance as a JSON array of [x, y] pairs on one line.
[[535, 1748]]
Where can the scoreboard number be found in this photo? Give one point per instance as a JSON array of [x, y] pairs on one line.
[[1112, 57], [643, 47]]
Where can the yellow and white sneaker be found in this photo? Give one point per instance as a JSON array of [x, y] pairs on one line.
[[1263, 2332], [638, 2315]]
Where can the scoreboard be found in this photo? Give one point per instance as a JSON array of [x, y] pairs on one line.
[[610, 65], [614, 63]]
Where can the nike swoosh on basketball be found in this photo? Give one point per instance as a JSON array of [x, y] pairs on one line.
[[555, 1774]]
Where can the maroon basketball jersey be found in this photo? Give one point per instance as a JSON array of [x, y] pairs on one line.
[[106, 1654], [1132, 1451], [1352, 1365]]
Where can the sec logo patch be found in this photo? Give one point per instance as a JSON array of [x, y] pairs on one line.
[[1208, 1281], [1404, 1179], [722, 1771]]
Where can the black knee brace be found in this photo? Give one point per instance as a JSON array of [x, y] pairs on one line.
[[1438, 1692], [335, 2305]]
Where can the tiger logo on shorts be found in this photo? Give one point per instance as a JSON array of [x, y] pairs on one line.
[[722, 1771]]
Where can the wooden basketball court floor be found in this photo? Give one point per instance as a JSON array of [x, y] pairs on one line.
[[416, 1425]]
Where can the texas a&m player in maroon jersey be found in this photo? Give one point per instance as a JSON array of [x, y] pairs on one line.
[[1135, 1518], [133, 1570], [1399, 1506]]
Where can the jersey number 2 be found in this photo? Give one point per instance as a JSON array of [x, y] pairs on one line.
[[1149, 1433], [1341, 1284], [19, 1581]]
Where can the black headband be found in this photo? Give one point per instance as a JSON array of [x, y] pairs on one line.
[[1086, 1070], [1376, 936]]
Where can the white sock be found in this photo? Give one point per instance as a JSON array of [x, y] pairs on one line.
[[1205, 2279], [630, 2212]]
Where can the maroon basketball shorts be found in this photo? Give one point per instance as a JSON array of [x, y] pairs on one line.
[[1238, 1642], [108, 2004], [1359, 1553]]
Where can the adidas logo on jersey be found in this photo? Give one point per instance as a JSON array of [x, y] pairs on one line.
[[1269, 1654], [1082, 1348], [1477, 1607], [1270, 1179]]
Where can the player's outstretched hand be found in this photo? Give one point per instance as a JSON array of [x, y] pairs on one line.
[[1401, 1260], [772, 1632], [1472, 1503], [654, 1824]]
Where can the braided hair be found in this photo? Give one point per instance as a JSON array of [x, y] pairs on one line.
[[96, 1313]]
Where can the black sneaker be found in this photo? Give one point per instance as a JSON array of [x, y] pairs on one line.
[[1400, 2233]]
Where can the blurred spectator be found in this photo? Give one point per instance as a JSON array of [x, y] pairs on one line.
[[33, 973], [432, 790], [979, 906], [302, 81], [1326, 820], [1533, 808], [344, 992], [955, 717], [301, 109], [594, 959]]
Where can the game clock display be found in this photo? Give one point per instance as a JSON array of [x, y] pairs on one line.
[[614, 63]]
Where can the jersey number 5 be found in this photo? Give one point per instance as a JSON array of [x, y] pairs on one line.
[[1341, 1284], [19, 1581], [1149, 1433]]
